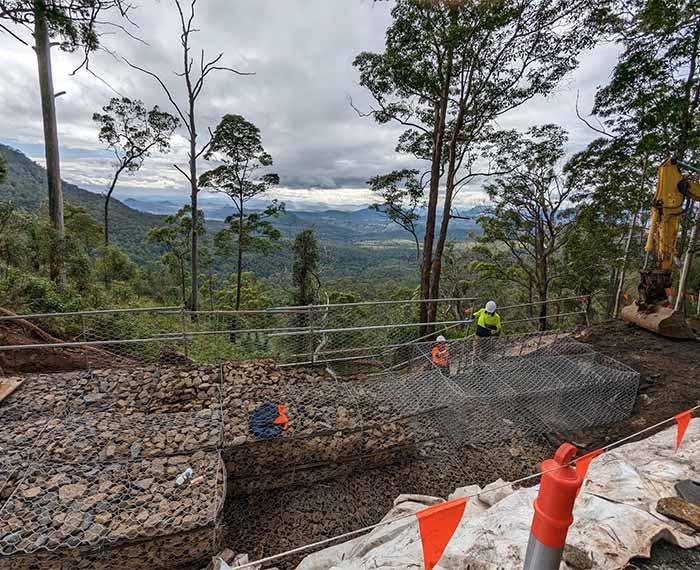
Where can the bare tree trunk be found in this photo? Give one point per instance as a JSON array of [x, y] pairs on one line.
[[427, 309], [106, 218], [107, 199], [183, 288], [446, 209], [194, 189], [623, 267], [240, 258], [53, 167], [543, 292], [436, 269], [429, 235], [687, 263], [610, 296]]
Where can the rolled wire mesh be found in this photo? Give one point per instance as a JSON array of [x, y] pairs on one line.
[[524, 385]]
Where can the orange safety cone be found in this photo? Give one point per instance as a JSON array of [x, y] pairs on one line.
[[554, 508]]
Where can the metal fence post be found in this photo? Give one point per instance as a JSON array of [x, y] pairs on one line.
[[554, 508], [184, 330]]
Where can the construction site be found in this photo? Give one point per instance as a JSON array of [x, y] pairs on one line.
[[133, 439]]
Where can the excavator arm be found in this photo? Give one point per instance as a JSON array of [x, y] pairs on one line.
[[674, 191]]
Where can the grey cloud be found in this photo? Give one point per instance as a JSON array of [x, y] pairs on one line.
[[301, 52]]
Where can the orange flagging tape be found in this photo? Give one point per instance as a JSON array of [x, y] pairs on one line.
[[626, 296], [437, 525], [583, 463], [682, 419]]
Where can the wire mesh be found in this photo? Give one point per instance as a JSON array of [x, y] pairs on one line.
[[144, 395], [519, 385], [90, 466]]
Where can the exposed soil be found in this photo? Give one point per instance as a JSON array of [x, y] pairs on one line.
[[16, 332], [669, 377], [274, 521]]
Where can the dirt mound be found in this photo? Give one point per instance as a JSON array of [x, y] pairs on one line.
[[668, 376], [16, 332]]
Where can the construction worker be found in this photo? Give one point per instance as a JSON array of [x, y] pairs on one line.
[[441, 355], [488, 321]]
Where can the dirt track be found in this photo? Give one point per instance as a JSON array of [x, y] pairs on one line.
[[268, 523]]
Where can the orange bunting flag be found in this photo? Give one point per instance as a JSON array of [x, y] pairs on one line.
[[626, 296], [670, 292], [682, 419], [437, 525], [583, 462]]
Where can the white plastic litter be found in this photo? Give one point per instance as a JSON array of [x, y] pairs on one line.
[[615, 517]]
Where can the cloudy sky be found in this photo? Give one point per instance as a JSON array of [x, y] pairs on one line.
[[301, 52]]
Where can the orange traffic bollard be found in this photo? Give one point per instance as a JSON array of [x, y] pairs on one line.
[[554, 508]]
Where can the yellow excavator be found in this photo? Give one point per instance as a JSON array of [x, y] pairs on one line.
[[652, 310]]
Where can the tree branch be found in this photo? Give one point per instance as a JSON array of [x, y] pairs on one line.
[[165, 88], [183, 172], [587, 123]]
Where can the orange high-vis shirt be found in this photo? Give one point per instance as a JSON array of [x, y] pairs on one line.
[[440, 356]]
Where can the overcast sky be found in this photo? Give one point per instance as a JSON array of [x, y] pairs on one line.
[[301, 52]]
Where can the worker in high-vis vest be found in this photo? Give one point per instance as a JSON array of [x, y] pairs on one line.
[[488, 321], [441, 355]]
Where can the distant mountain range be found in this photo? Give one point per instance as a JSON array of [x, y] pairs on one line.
[[343, 233], [334, 225], [26, 187]]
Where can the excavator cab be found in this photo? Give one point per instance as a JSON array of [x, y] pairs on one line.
[[652, 310]]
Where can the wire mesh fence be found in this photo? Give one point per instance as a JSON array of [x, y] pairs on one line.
[[137, 398]]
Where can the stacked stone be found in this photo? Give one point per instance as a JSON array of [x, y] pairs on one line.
[[336, 426], [93, 455], [105, 436], [89, 475], [57, 505]]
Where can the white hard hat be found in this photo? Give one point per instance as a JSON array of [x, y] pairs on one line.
[[441, 339], [491, 307]]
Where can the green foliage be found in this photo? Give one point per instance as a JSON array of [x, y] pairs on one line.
[[252, 232], [82, 227], [3, 170], [253, 294], [305, 270], [654, 86], [174, 236], [26, 187], [72, 23], [402, 198], [530, 217], [27, 292], [237, 144], [132, 133], [114, 265], [97, 277]]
